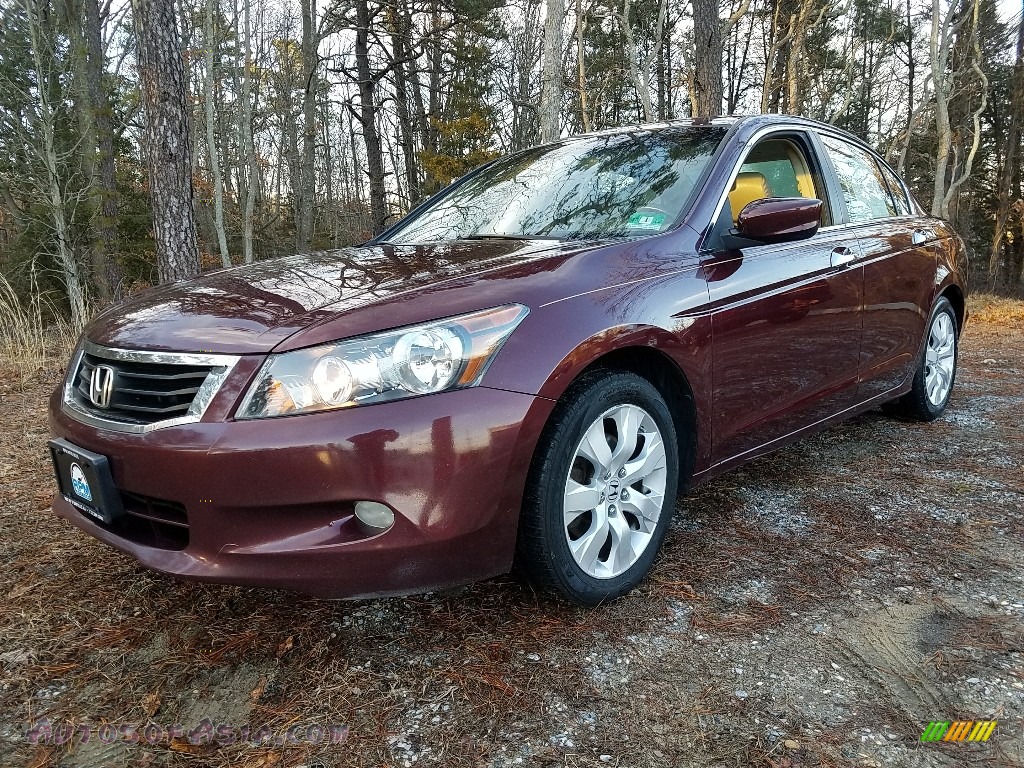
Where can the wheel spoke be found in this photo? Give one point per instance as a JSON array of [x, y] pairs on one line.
[[627, 423], [651, 459], [646, 508], [586, 548], [621, 554], [580, 498], [595, 448]]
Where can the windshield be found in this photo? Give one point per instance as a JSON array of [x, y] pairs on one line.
[[618, 185]]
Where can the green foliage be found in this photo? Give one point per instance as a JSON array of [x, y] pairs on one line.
[[465, 135]]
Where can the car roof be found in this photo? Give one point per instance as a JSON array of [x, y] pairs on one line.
[[732, 122]]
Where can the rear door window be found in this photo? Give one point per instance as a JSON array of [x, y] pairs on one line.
[[860, 179]]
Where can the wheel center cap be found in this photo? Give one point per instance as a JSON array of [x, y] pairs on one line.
[[612, 490]]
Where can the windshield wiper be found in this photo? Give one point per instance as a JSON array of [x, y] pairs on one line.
[[495, 236], [598, 236]]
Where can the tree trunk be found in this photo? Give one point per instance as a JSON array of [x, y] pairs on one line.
[[367, 117], [401, 29], [307, 206], [44, 61], [211, 133], [581, 66], [551, 79], [94, 114], [948, 180], [639, 67], [169, 153], [707, 89], [1011, 145], [252, 182]]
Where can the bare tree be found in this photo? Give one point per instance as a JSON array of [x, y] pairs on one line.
[[45, 75], [709, 30], [210, 43], [1010, 162], [551, 79], [96, 124], [952, 172], [251, 172], [640, 66], [168, 148], [305, 208]]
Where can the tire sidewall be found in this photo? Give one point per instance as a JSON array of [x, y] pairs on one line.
[[603, 394]]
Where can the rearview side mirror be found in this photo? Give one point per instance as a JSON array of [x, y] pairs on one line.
[[774, 220]]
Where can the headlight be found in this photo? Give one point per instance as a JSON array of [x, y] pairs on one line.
[[418, 360]]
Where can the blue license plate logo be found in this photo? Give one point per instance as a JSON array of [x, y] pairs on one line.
[[79, 484]]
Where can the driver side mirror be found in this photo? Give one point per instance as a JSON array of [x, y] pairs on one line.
[[774, 220]]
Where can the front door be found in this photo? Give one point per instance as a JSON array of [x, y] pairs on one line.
[[786, 319]]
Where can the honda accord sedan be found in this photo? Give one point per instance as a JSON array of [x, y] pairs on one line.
[[527, 369]]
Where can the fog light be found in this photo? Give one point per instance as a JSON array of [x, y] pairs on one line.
[[374, 514]]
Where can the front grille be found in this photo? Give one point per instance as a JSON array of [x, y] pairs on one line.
[[143, 393], [142, 390]]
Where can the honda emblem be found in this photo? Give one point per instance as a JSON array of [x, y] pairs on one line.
[[101, 386]]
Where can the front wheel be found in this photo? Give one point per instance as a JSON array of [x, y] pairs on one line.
[[601, 489], [933, 381]]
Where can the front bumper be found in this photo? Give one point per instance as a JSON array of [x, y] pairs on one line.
[[269, 502]]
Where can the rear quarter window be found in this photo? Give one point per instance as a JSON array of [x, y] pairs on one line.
[[899, 194]]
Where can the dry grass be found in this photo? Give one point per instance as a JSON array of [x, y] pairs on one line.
[[31, 337], [996, 310]]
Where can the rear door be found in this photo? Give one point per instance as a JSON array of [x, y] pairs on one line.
[[786, 318], [899, 264]]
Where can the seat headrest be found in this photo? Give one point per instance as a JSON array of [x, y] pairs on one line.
[[747, 188]]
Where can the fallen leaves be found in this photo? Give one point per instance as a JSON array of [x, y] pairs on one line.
[[286, 646]]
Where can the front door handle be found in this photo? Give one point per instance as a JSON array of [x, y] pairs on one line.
[[919, 237], [842, 256]]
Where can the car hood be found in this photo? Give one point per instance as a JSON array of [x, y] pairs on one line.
[[252, 308]]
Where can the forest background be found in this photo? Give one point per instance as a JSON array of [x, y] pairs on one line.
[[313, 124]]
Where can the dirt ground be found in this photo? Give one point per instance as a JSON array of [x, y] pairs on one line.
[[816, 608]]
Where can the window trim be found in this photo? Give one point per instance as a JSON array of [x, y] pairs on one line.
[[804, 136], [888, 174]]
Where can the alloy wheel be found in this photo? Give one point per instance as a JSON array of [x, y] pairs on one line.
[[940, 357], [615, 491]]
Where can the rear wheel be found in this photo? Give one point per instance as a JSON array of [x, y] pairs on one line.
[[933, 382], [601, 489]]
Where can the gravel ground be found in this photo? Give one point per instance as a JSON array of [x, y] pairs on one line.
[[817, 607]]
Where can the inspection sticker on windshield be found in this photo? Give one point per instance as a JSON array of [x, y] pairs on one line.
[[646, 221]]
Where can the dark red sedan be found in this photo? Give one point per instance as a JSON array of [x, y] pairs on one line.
[[528, 367]]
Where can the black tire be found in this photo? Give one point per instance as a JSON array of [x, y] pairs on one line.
[[916, 405], [542, 550]]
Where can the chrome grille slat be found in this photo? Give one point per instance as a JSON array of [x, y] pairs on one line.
[[172, 377], [154, 392], [152, 408], [151, 390]]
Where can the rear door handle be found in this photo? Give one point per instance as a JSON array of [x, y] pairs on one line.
[[842, 256], [919, 237]]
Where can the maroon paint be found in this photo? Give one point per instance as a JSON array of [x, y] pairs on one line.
[[769, 341], [781, 218]]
